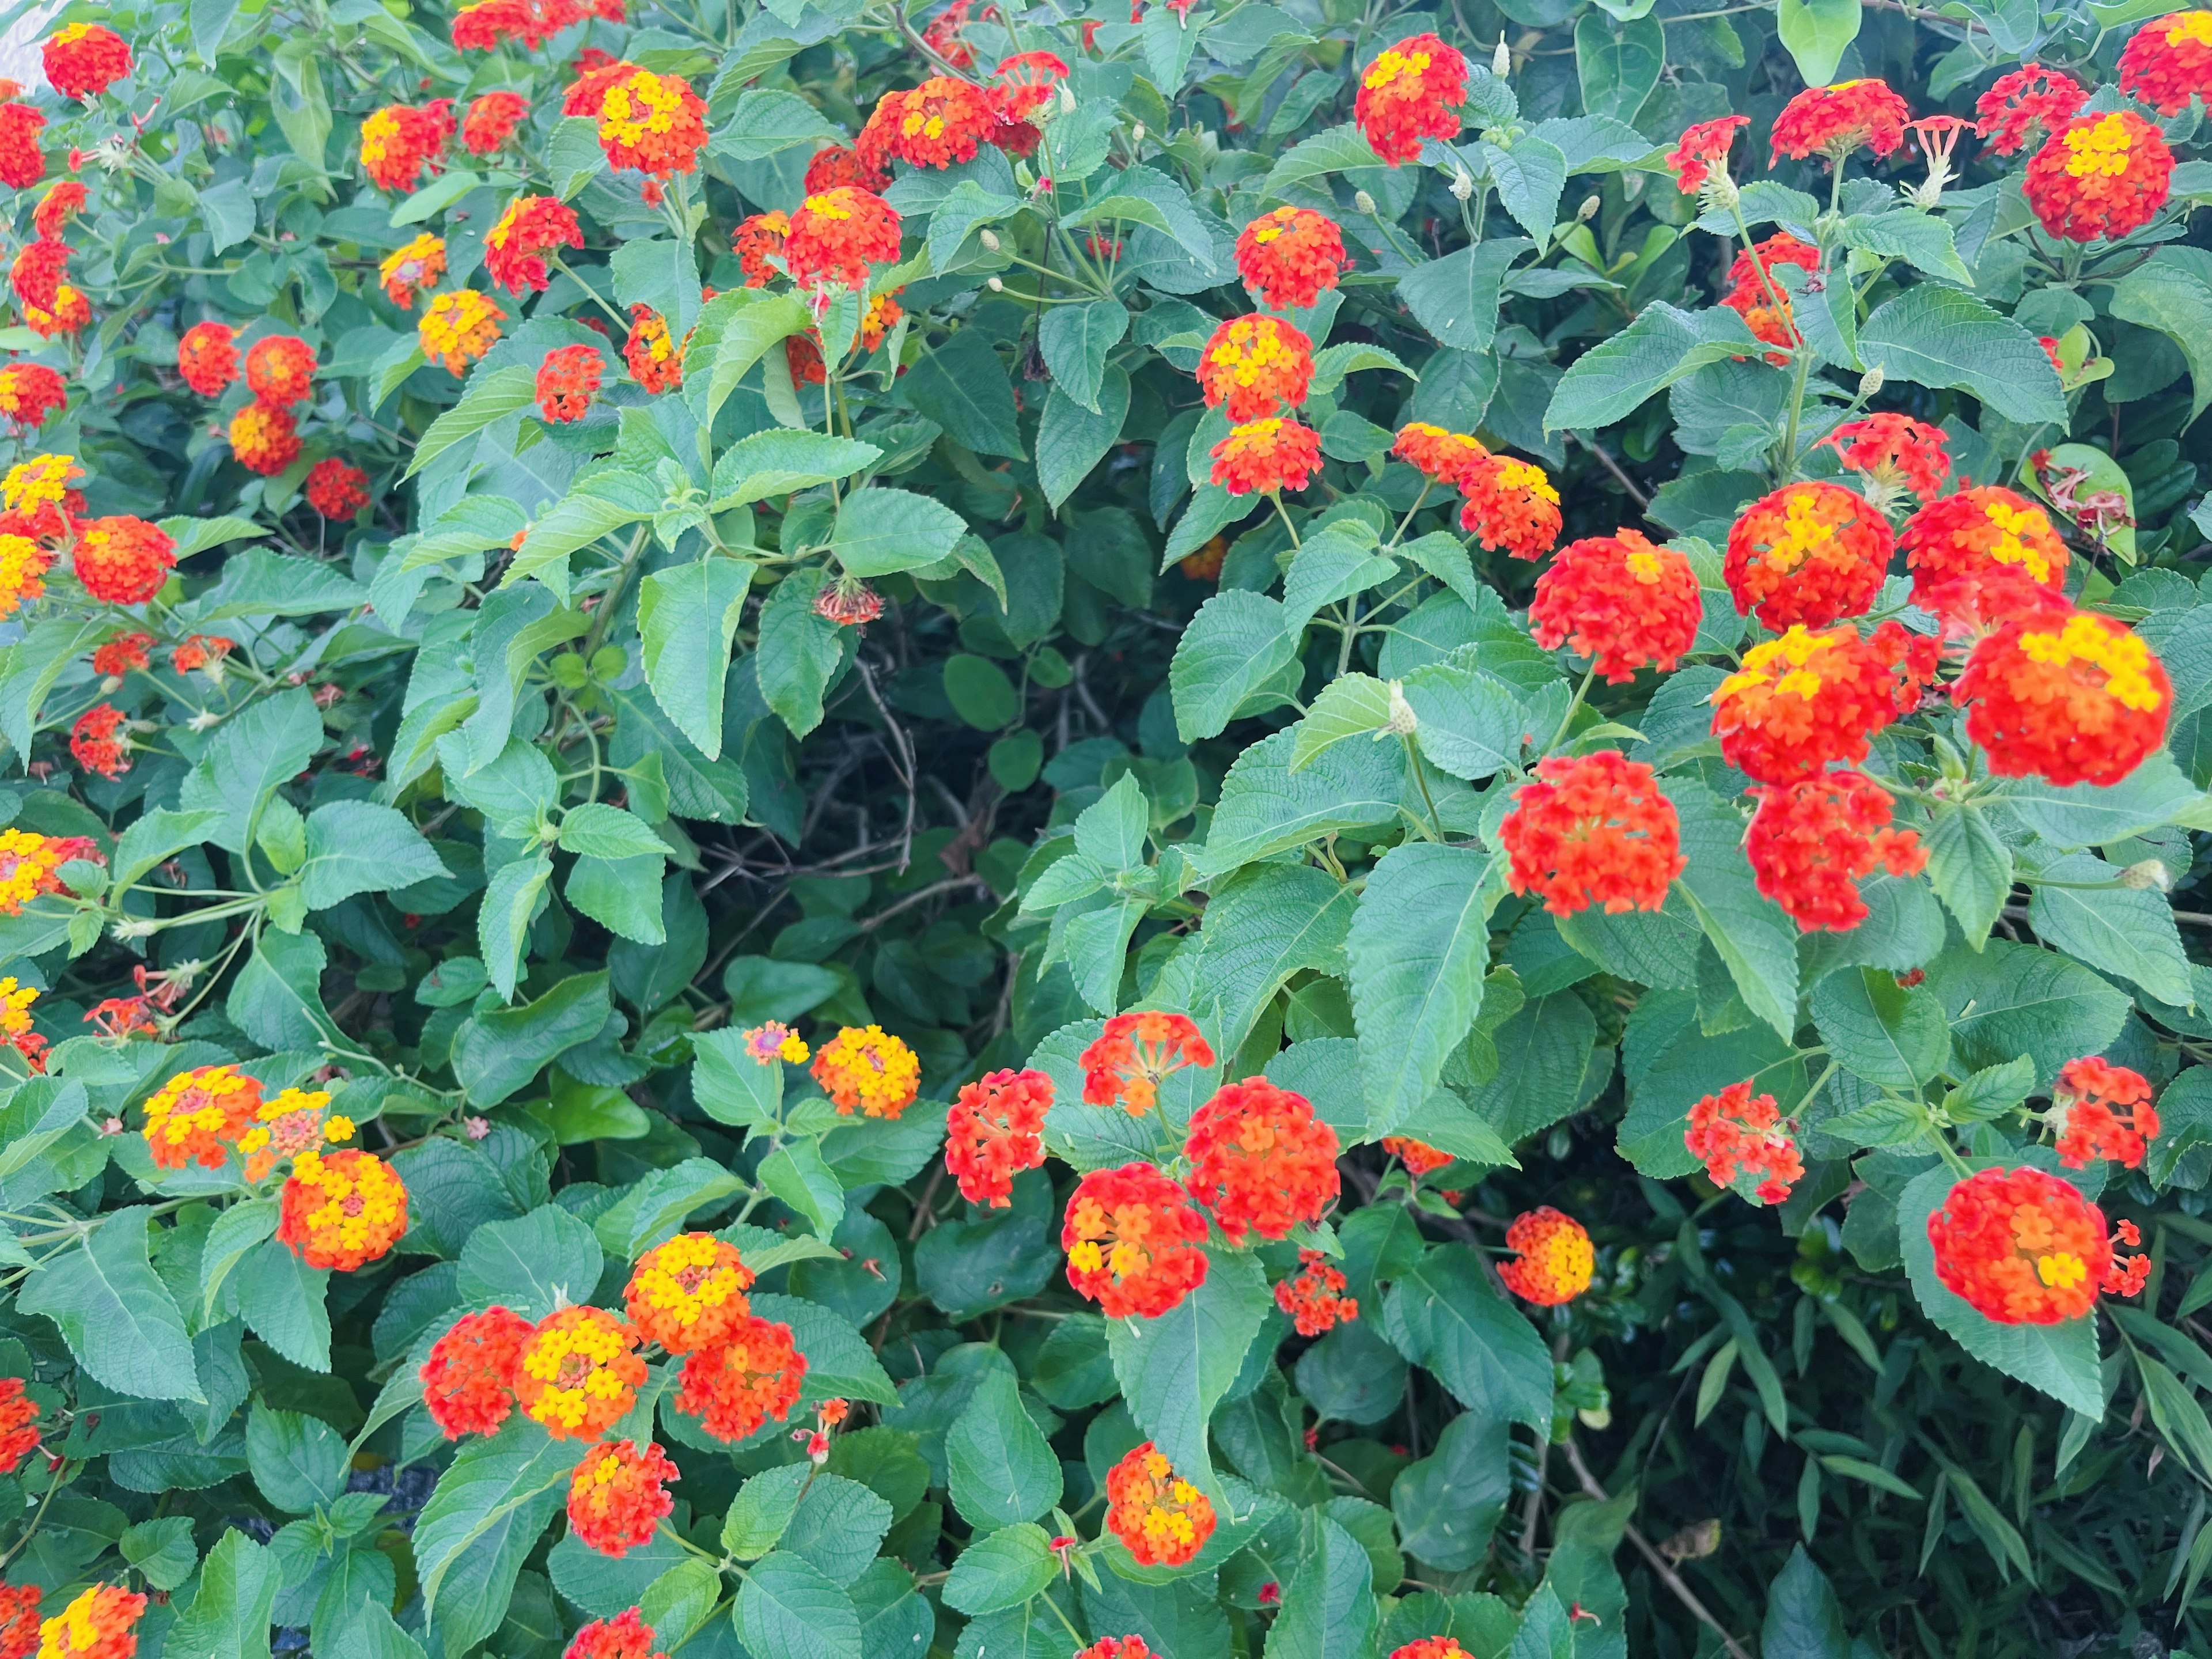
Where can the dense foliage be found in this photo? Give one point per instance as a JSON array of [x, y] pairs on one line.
[[1290, 828]]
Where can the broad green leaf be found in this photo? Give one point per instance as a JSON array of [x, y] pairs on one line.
[[488, 396], [1443, 1315], [117, 1315], [1002, 1470], [357, 847], [1817, 33], [1266, 808], [298, 1462], [787, 1608], [735, 331], [2172, 292], [1262, 928], [1338, 149], [1001, 1570], [599, 831], [687, 616], [795, 1173], [1659, 348], [496, 1052], [1529, 178], [285, 1302], [963, 386], [1619, 64], [1753, 935], [546, 1260], [2015, 999], [1456, 298], [1174, 1369], [1350, 706], [766, 122], [2126, 932], [881, 532], [1881, 1030], [1329, 1606], [1944, 337], [1969, 867], [1075, 339], [1230, 654], [229, 1615], [761, 1510], [510, 904], [778, 462], [1072, 438], [276, 998], [484, 1516]]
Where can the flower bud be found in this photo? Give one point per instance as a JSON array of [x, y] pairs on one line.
[[1067, 97], [990, 239], [1501, 61], [995, 286], [1403, 722], [1363, 201], [1871, 381], [1136, 133], [2148, 875], [1463, 185], [1588, 211]]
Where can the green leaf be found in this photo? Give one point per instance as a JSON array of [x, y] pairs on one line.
[[162, 1550], [799, 650], [357, 847], [484, 1516], [1329, 1606], [1229, 654], [765, 123], [1418, 949], [1266, 808], [1456, 298], [257, 581], [285, 1301], [1262, 928], [1001, 1570], [735, 331], [1470, 724], [777, 462], [1072, 438], [114, 1311], [1075, 341], [730, 1085], [546, 1260], [980, 692], [1921, 239], [602, 504], [1443, 1314], [489, 396], [1944, 337], [29, 667], [1350, 706], [687, 617], [662, 273], [1612, 379], [1619, 64], [300, 1462], [1174, 1369], [1530, 178], [788, 1608], [761, 1510], [882, 530], [600, 831], [510, 902], [1338, 149], [574, 155], [795, 1173], [2172, 292], [1450, 1502], [963, 387], [839, 1524], [2126, 932], [265, 744], [1817, 33], [2155, 794], [1002, 1469], [2013, 1000], [229, 1616], [623, 896], [1804, 1620], [1969, 867], [276, 998], [1879, 1030], [498, 1051], [1753, 935]]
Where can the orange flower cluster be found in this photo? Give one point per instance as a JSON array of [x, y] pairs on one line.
[[843, 164], [2024, 1248], [1619, 601], [578, 1372], [31, 392], [1443, 457], [596, 72], [119, 655], [122, 560], [1809, 553], [1315, 1296], [55, 208], [1161, 1517], [802, 354], [1811, 842], [1261, 1160], [100, 1624], [36, 273], [483, 27], [1894, 454], [459, 328], [1109, 1647], [1735, 1134], [2076, 700], [491, 121], [939, 123], [1267, 457], [101, 740], [1762, 302], [22, 162], [618, 1496], [737, 1385], [2169, 62], [340, 1210], [654, 122], [468, 1382], [626, 1635], [199, 651], [265, 438], [399, 141], [1556, 1259], [17, 1030], [2027, 101], [82, 60], [1412, 91], [70, 312], [23, 565], [882, 316], [1257, 366], [567, 381], [836, 235], [1703, 151], [689, 1293], [30, 865], [516, 247], [758, 239], [289, 1124], [1290, 256], [1430, 1647], [1132, 1240], [2099, 176], [654, 361], [1510, 504], [336, 489], [19, 1621], [1834, 121], [1418, 1156], [849, 602], [208, 359], [995, 1132], [1128, 1061], [1024, 82], [1803, 701], [2102, 1110], [867, 1067], [1953, 544], [280, 370], [19, 1425], [1593, 830], [196, 1117]]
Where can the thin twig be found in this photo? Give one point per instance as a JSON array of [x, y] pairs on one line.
[[1659, 1564], [1643, 501], [935, 888], [902, 757]]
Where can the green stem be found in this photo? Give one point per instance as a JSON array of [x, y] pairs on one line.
[[1567, 720]]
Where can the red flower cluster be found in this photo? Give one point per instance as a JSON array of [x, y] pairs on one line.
[[654, 122], [22, 164], [848, 602], [1267, 457], [1811, 842], [280, 369], [1802, 702], [2076, 700], [71, 311], [1556, 1257], [618, 1496], [516, 247], [939, 123], [1809, 553], [1261, 1160], [2169, 62], [1593, 830], [760, 238], [399, 141], [1762, 302], [1510, 504], [1161, 1517], [1895, 453], [485, 26], [1419, 1156], [1834, 121], [626, 1635], [55, 208], [1412, 91], [1430, 1647], [1443, 457], [2102, 1110], [588, 91], [336, 489], [736, 1386], [82, 60], [122, 560], [1132, 1240], [2024, 1248], [1256, 366], [1619, 601], [1290, 256], [97, 1625], [2099, 176], [101, 740], [468, 1382], [491, 121], [1106, 1647], [1024, 82], [836, 235], [36, 273], [995, 1132], [19, 1621], [121, 655], [566, 381], [802, 354], [1314, 1298], [2027, 101], [207, 358], [843, 164], [1703, 151], [19, 1423], [31, 392], [265, 438], [654, 361], [1736, 1134], [1127, 1061], [1954, 545]]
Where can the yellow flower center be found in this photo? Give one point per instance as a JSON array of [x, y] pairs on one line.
[[1643, 567], [2125, 658], [2014, 525], [1794, 659], [1394, 66], [2062, 1271], [1804, 531], [2190, 27], [1523, 474], [2099, 151]]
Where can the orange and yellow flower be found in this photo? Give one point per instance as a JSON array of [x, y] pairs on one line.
[[2099, 176], [459, 328], [122, 560], [56, 207], [1127, 1061], [2024, 1248], [2027, 101], [1413, 90], [342, 1209], [468, 1382], [208, 359], [1966, 536], [2102, 1110], [867, 1067], [100, 1624], [82, 60], [1811, 842], [579, 1372], [280, 369], [876, 322], [1593, 830], [287, 1126], [18, 1032], [567, 381], [264, 438], [843, 164], [1290, 256], [1267, 457], [758, 239], [1754, 295], [1737, 1134], [2169, 62], [689, 1293], [995, 1132], [1809, 553], [23, 566], [30, 865], [652, 357], [1256, 366], [1834, 121], [516, 247], [1313, 1297], [1555, 1258], [1511, 505], [1803, 701], [1432, 1647], [1261, 1160], [836, 235], [618, 1496], [736, 1386], [1619, 601], [1443, 457], [29, 392], [654, 122], [1132, 1240], [399, 141], [1161, 1517], [197, 1116], [939, 123], [2079, 699], [68, 313]]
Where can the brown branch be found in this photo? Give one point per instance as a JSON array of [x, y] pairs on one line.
[[1659, 1563], [1643, 501]]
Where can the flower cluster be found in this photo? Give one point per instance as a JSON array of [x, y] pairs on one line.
[[1811, 842], [68, 313], [1555, 1259], [1432, 1647], [19, 1425], [2076, 700], [101, 740], [265, 438], [939, 123], [516, 247], [16, 1032], [1593, 830], [1619, 601], [995, 1132], [1754, 295], [1261, 1160], [1413, 90], [567, 381], [196, 1115], [468, 1381], [82, 60], [37, 270], [2099, 176], [491, 121], [1703, 151], [654, 359], [1161, 1517], [100, 1624], [1290, 256], [22, 162], [1127, 1061], [1738, 1135], [758, 239], [736, 1386], [1256, 366], [1267, 457], [280, 370], [459, 328], [1511, 505], [286, 1127], [342, 1209], [29, 392], [773, 1042], [399, 142], [1442, 457], [1894, 454], [120, 655], [207, 356], [618, 1496], [2024, 102], [1834, 121], [1802, 702], [1809, 553], [1313, 1297], [1952, 545], [1132, 1240], [122, 560], [30, 865], [836, 235], [653, 123], [23, 566], [2169, 62], [2102, 1110], [1118, 1647], [578, 1372], [2024, 1248], [850, 603], [625, 1635], [1418, 1156], [689, 1293], [867, 1067], [336, 489]]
